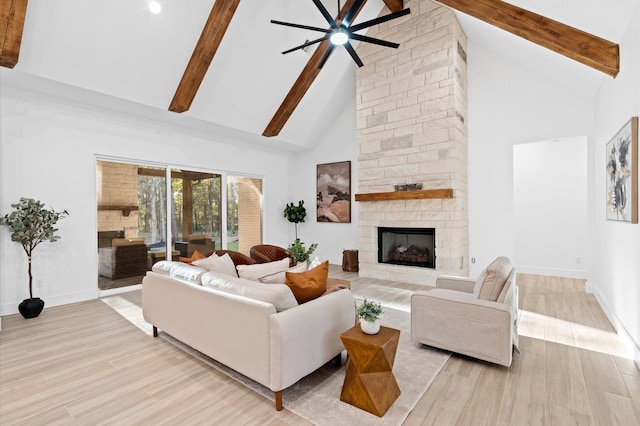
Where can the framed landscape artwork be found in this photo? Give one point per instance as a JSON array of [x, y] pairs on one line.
[[622, 174], [333, 192]]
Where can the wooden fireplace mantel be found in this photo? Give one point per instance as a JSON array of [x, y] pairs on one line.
[[423, 194]]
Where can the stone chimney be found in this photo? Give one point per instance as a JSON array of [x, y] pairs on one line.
[[412, 128]]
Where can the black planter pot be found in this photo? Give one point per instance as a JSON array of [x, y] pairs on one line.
[[31, 308]]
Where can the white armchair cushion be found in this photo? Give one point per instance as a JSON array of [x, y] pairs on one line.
[[491, 281]]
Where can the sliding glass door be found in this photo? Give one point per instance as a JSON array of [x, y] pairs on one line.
[[140, 216]]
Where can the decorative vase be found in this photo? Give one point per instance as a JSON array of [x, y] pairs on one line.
[[370, 327], [31, 308]]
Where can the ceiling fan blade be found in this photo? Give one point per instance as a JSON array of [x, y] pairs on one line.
[[353, 54], [374, 41], [326, 55], [304, 27], [305, 44], [325, 13], [380, 19], [348, 17]]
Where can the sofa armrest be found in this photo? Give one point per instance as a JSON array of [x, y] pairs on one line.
[[306, 337], [451, 282], [459, 322]]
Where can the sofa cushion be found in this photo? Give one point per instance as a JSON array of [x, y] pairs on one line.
[[491, 281], [254, 272], [215, 263], [163, 267], [310, 284], [279, 295], [280, 277], [188, 272], [179, 270]]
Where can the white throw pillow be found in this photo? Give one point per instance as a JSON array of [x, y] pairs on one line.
[[254, 272], [279, 295], [223, 264], [279, 277], [315, 262], [204, 263]]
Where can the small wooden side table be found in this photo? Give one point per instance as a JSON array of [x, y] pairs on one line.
[[369, 383]]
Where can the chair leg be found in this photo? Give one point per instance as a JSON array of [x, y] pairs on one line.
[[278, 396], [155, 331]]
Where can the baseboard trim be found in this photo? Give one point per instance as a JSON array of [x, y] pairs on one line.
[[554, 272], [119, 290], [11, 308], [626, 338]]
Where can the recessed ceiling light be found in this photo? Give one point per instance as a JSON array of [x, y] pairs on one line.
[[155, 7]]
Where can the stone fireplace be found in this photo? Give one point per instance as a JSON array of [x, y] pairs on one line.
[[407, 246], [412, 129]]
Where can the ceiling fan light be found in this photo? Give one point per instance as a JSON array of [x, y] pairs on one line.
[[155, 7], [339, 37]]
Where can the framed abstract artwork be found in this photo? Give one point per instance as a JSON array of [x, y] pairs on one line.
[[333, 192], [622, 174]]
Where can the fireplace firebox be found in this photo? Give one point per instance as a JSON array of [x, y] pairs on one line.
[[407, 246]]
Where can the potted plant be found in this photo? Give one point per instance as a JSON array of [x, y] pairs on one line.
[[295, 214], [30, 224], [368, 312], [299, 252]]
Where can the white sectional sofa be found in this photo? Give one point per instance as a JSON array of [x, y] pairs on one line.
[[254, 328]]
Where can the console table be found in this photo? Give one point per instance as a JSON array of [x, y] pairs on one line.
[[369, 383]]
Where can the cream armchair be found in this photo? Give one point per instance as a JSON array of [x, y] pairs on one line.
[[478, 318]]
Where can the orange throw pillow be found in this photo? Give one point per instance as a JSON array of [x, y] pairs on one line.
[[310, 284], [195, 256]]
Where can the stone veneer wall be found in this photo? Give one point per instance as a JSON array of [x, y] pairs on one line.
[[412, 128], [117, 185]]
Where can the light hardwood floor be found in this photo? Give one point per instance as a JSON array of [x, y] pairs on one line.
[[86, 364]]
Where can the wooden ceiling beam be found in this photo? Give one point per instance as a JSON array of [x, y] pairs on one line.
[[573, 43], [206, 48], [302, 84], [394, 5], [12, 16]]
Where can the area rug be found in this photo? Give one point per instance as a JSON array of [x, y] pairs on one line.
[[316, 397]]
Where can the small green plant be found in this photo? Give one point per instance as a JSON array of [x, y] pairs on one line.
[[369, 310], [31, 224], [295, 214], [299, 252]]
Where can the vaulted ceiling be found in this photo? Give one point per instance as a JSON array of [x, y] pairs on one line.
[[120, 49]]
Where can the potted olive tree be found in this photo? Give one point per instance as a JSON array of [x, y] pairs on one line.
[[31, 223], [297, 214]]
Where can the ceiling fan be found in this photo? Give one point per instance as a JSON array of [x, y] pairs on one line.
[[340, 30]]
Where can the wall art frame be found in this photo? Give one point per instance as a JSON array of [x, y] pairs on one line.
[[622, 174], [333, 192]]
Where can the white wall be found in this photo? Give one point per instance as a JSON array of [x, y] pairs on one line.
[[336, 143], [617, 245], [48, 149], [509, 105], [550, 189]]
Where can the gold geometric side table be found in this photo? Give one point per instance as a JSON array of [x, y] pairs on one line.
[[369, 383]]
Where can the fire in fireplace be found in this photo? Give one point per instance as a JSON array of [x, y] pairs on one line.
[[407, 246]]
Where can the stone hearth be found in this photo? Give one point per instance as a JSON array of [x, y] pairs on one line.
[[412, 109]]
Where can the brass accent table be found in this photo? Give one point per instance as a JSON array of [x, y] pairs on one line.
[[369, 383]]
